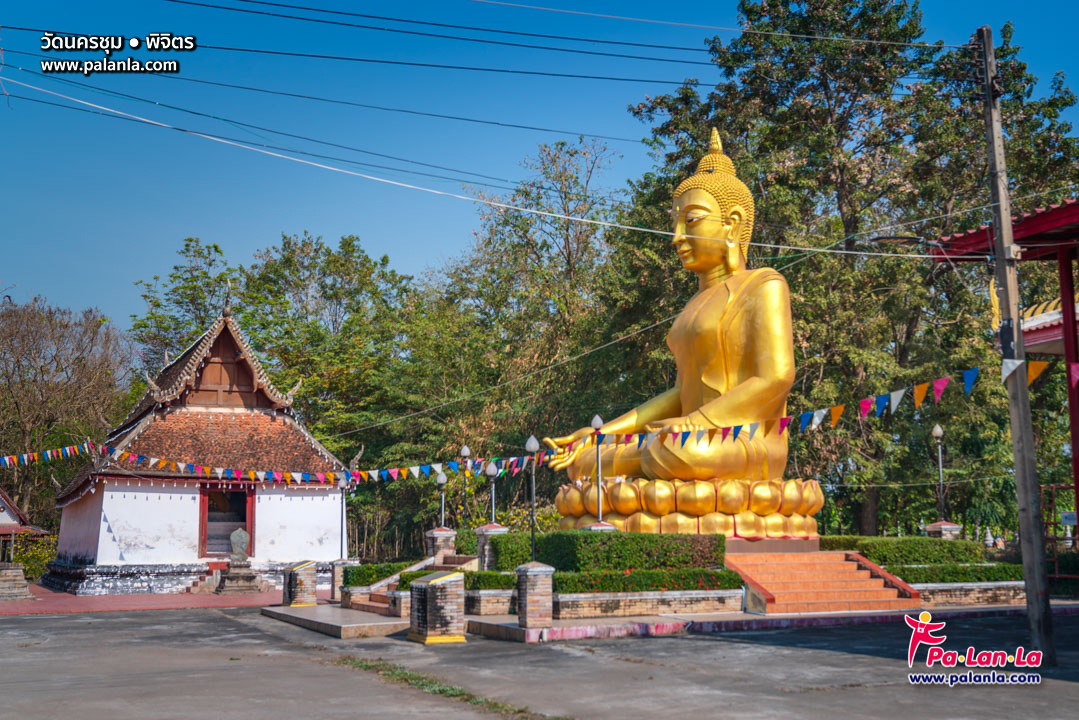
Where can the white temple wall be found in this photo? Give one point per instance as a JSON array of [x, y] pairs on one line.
[[294, 525], [7, 515], [145, 525], [80, 523]]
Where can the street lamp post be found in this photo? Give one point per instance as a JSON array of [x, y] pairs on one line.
[[938, 433], [441, 480], [532, 446], [492, 473], [465, 453], [597, 423]]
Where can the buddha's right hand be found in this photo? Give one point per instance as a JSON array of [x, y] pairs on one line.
[[564, 456]]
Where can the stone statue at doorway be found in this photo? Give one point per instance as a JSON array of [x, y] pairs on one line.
[[239, 540]]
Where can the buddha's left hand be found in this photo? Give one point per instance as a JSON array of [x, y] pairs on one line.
[[687, 423]]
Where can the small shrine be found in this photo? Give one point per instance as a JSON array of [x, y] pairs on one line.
[[13, 522], [211, 448]]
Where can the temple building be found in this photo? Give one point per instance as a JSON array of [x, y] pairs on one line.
[[212, 446], [13, 522]]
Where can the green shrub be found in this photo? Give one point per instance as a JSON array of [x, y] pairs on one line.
[[954, 572], [34, 552], [404, 581], [465, 543], [369, 574], [513, 549], [585, 551], [646, 580], [907, 550], [490, 580]]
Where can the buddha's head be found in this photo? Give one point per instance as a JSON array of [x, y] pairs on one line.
[[713, 214]]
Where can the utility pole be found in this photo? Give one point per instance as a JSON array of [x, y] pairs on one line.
[[1031, 539]]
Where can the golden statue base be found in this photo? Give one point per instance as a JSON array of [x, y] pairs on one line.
[[738, 509]]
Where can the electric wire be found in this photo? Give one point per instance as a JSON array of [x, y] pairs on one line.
[[459, 38], [749, 31]]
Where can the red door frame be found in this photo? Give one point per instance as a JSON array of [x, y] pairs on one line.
[[204, 507]]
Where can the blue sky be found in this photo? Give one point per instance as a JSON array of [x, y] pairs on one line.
[[89, 205]]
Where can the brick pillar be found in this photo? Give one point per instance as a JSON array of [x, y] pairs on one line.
[[338, 579], [440, 542], [437, 614], [484, 549], [534, 595], [300, 584]]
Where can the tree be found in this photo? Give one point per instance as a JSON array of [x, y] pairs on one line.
[[63, 378]]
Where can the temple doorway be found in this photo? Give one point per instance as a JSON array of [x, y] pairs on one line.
[[222, 513]]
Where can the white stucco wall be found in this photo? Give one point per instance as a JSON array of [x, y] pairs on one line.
[[294, 525], [79, 525], [140, 524], [7, 516]]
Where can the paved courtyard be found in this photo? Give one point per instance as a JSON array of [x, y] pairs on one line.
[[235, 663]]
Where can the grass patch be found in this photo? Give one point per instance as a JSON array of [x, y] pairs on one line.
[[433, 686]]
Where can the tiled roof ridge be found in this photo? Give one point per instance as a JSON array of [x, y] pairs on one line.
[[1016, 219]]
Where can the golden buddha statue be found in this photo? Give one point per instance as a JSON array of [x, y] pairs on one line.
[[733, 347]]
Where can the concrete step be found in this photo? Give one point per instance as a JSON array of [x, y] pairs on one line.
[[793, 564], [817, 594], [775, 586], [457, 559], [372, 607], [807, 576], [788, 557], [378, 596], [844, 606]]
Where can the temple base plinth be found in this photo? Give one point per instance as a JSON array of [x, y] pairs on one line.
[[735, 546]]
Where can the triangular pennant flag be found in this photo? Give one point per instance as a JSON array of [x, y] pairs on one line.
[[373, 474], [1073, 373], [700, 435], [734, 432], [415, 470], [919, 394], [650, 437], [896, 397], [837, 412], [627, 438], [600, 437], [723, 433], [753, 430], [806, 417], [452, 465], [426, 470], [437, 467], [969, 376], [685, 436], [640, 439], [261, 476], [1007, 367], [1034, 369], [219, 471], [818, 418], [321, 477], [288, 478], [882, 402], [384, 474], [711, 435], [278, 477], [329, 476], [865, 406], [153, 461], [938, 387]]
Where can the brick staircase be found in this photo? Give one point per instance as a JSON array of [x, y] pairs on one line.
[[457, 562], [818, 582]]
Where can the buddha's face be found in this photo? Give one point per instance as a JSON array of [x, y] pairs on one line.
[[704, 234]]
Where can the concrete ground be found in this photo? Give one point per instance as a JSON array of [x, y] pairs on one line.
[[235, 663]]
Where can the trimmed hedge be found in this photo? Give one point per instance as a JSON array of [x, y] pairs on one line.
[[405, 580], [907, 550], [955, 573], [585, 551], [465, 543], [646, 580], [364, 575], [490, 580]]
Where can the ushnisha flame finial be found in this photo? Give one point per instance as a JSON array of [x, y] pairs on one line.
[[715, 145]]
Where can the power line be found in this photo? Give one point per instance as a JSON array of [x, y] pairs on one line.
[[746, 31], [446, 66], [467, 198], [367, 106], [474, 28], [440, 36]]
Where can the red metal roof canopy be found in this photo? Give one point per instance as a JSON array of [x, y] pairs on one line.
[[1039, 233]]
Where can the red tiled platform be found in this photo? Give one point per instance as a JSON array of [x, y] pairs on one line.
[[49, 602]]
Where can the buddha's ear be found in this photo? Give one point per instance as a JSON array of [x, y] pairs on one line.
[[735, 217]]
